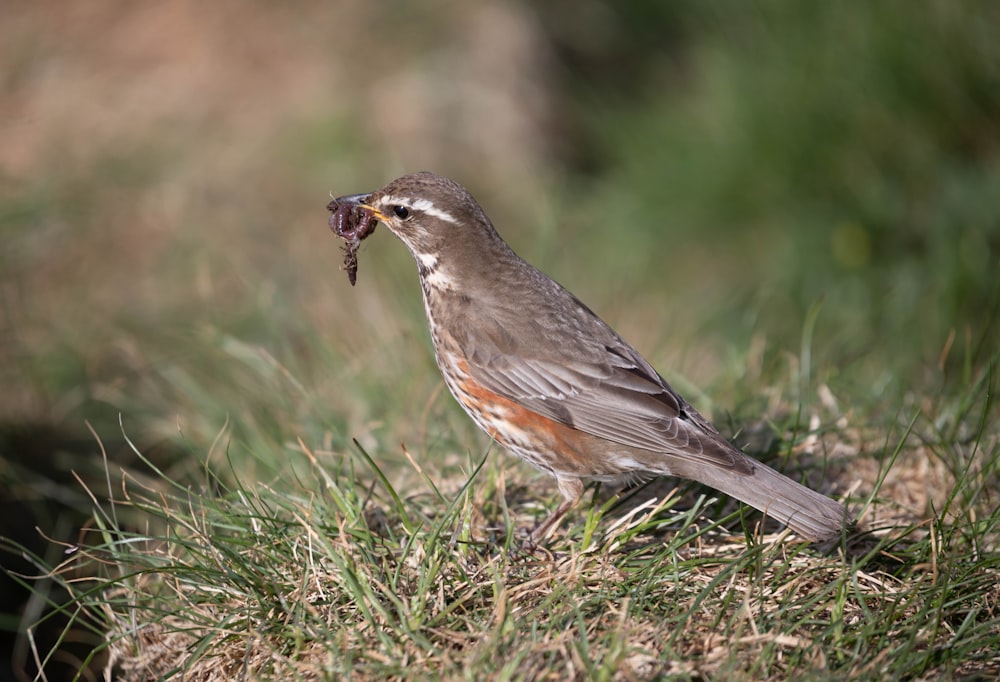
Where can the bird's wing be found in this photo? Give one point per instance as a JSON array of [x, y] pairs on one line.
[[608, 391]]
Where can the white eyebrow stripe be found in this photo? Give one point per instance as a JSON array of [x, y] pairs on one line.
[[422, 205]]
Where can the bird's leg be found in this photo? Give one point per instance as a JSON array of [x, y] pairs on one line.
[[572, 491]]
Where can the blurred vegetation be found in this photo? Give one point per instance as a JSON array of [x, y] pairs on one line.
[[797, 154], [709, 176], [728, 166]]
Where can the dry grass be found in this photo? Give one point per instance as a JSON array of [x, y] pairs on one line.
[[357, 578]]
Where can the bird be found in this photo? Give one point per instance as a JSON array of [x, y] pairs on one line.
[[548, 379]]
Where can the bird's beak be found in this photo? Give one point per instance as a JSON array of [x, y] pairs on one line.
[[352, 199], [360, 200]]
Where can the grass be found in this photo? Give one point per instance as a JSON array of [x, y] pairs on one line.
[[333, 571], [220, 461]]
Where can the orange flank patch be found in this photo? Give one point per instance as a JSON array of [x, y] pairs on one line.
[[527, 433]]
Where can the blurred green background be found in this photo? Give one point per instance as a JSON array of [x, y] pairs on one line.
[[761, 196]]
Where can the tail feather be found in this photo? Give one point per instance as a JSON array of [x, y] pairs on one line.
[[810, 514]]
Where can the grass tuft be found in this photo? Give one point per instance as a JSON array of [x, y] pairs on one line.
[[334, 572]]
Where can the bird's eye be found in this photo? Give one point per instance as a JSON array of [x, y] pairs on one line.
[[401, 212]]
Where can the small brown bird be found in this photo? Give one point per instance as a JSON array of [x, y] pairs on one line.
[[547, 378]]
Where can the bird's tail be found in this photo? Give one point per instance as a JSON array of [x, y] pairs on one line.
[[808, 513]]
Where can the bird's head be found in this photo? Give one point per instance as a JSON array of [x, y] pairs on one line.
[[437, 219]]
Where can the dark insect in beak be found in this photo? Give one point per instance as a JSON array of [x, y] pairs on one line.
[[352, 221]]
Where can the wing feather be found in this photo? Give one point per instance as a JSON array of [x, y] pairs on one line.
[[613, 394]]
